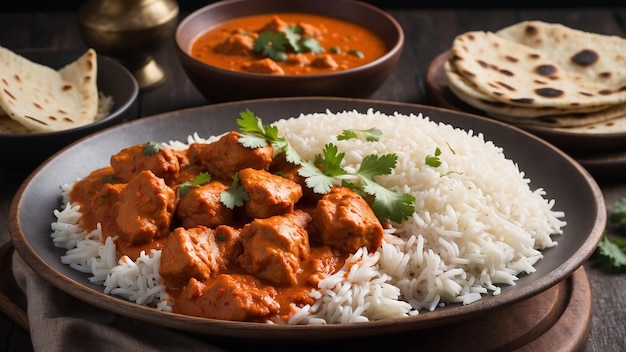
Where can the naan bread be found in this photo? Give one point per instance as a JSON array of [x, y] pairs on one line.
[[600, 58], [521, 76], [45, 100]]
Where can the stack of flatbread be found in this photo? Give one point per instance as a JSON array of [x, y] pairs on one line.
[[542, 74], [37, 98]]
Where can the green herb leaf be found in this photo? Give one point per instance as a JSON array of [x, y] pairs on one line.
[[320, 174], [200, 179], [357, 53], [312, 45], [371, 135], [434, 161], [334, 50], [618, 216], [292, 33], [255, 134], [235, 195], [271, 45], [613, 251], [152, 148]]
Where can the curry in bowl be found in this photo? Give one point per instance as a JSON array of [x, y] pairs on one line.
[[288, 44]]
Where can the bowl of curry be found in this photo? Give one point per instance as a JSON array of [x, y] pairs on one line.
[[243, 49]]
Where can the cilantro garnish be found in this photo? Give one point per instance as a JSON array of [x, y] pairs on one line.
[[356, 52], [612, 249], [276, 45], [235, 195], [200, 179], [255, 134], [325, 171], [322, 174], [433, 160], [271, 45], [152, 148], [371, 135]]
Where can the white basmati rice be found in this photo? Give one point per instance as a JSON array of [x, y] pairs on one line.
[[477, 224]]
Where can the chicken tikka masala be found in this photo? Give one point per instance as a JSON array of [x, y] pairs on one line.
[[246, 260]]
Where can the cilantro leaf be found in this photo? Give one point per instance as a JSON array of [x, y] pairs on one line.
[[371, 135], [434, 161], [312, 45], [320, 174], [613, 251], [152, 148], [200, 179], [292, 34], [255, 134], [235, 195], [271, 45], [618, 216]]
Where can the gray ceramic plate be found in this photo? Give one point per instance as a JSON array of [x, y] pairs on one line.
[[564, 180]]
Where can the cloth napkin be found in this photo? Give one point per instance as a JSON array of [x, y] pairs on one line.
[[60, 322]]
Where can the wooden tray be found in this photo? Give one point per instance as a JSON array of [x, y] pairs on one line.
[[555, 320]]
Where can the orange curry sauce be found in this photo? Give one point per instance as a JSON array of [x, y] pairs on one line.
[[139, 191], [345, 45]]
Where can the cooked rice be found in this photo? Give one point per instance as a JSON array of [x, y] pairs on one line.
[[477, 224]]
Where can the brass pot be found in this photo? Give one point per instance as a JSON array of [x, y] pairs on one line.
[[130, 31]]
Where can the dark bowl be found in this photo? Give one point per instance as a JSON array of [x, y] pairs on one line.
[[218, 84], [24, 152]]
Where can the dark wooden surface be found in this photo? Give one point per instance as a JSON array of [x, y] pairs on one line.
[[428, 32]]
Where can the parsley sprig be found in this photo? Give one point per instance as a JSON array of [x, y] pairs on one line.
[[371, 134], [152, 148], [235, 195]]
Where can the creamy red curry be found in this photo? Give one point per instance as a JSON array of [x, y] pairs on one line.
[[288, 44], [244, 263]]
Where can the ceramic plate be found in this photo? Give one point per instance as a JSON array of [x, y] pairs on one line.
[[594, 146], [546, 166]]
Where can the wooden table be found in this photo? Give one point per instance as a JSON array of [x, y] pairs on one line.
[[428, 33]]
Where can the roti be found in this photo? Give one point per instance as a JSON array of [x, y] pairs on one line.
[[518, 75], [597, 57], [467, 91], [45, 100]]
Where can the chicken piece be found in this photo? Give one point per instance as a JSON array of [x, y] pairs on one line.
[[130, 161], [104, 208], [233, 297], [226, 156], [324, 61], [345, 221], [297, 60], [236, 44], [309, 30], [228, 243], [280, 166], [145, 209], [265, 66], [273, 247], [275, 25], [269, 194], [202, 206], [191, 253]]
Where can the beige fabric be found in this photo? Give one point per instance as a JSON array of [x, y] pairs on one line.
[[59, 322]]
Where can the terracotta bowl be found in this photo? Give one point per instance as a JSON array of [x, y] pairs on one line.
[[218, 84], [24, 152]]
